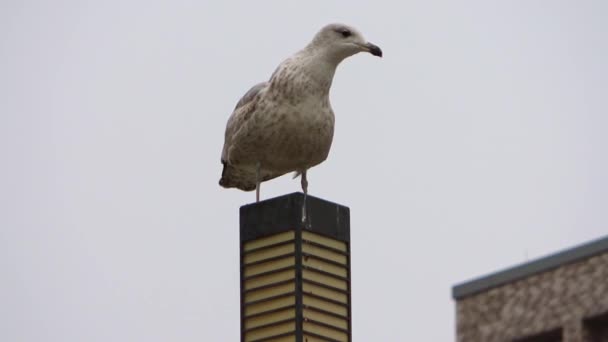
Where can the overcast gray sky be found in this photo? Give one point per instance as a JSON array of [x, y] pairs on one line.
[[478, 142]]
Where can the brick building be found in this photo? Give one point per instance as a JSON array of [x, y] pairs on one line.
[[561, 297]]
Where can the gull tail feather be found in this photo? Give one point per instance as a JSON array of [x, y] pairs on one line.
[[243, 179], [234, 178]]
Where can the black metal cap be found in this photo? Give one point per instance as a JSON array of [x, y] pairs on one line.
[[285, 213]]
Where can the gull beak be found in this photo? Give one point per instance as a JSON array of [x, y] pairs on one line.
[[373, 49]]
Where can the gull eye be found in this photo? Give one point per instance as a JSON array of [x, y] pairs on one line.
[[345, 33]]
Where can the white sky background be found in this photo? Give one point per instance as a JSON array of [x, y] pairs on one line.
[[478, 141]]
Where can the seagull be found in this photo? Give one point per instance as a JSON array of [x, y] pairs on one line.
[[286, 124]]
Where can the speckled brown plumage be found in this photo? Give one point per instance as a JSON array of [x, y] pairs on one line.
[[287, 123]]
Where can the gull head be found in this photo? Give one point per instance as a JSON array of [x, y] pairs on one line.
[[339, 41]]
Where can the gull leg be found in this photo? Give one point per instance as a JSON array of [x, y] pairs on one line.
[[304, 183], [257, 182], [305, 189]]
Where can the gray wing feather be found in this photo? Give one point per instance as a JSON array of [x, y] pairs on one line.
[[250, 95], [239, 115]]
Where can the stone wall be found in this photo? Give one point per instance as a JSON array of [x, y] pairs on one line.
[[568, 299]]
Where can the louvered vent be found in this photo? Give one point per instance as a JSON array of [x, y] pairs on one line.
[[269, 288], [324, 288], [295, 275]]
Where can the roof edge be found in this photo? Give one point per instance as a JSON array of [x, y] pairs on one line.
[[543, 264]]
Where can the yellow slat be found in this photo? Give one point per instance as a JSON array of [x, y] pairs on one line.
[[325, 241], [269, 292], [269, 305], [308, 338], [269, 253], [324, 331], [325, 266], [324, 253], [325, 305], [324, 292], [269, 279], [327, 319], [269, 318], [325, 279], [270, 331], [270, 240], [268, 266], [290, 338]]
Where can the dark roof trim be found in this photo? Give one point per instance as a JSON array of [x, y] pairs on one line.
[[547, 263]]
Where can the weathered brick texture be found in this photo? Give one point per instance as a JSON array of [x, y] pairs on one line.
[[563, 298]]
